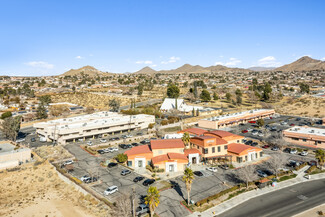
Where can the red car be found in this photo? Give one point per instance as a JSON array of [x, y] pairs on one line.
[[244, 131], [266, 146], [292, 125], [252, 122]]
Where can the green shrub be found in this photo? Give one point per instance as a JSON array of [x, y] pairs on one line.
[[311, 169], [121, 158], [164, 122], [148, 167], [283, 178]]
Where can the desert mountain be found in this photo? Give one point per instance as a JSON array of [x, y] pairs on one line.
[[191, 69], [303, 64], [260, 69], [87, 70]]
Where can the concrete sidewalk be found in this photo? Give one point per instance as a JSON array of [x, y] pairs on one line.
[[229, 204]]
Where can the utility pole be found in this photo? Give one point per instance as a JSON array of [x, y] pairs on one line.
[[133, 202]]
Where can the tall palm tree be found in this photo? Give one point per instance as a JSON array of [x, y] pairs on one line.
[[186, 139], [320, 156], [188, 179], [152, 199]]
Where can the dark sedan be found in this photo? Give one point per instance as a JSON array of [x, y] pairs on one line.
[[138, 179], [110, 165], [198, 173], [148, 182]]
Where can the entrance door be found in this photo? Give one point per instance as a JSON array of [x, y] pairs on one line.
[[140, 163], [171, 168], [193, 160]]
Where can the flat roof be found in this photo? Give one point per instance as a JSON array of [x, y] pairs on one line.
[[237, 114], [6, 147], [306, 130]]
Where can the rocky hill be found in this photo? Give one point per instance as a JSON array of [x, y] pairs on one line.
[[303, 64], [86, 70], [260, 69]]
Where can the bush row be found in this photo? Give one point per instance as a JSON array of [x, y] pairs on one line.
[[311, 169]]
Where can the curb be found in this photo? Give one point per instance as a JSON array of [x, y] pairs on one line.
[[185, 206], [87, 151]]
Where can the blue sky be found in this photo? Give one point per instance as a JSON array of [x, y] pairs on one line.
[[51, 37]]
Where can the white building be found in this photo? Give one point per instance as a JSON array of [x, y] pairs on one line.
[[170, 103], [91, 126]]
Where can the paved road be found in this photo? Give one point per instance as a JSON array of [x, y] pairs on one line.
[[285, 202]]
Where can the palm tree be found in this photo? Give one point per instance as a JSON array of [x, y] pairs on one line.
[[188, 179], [186, 139], [152, 199], [320, 156]]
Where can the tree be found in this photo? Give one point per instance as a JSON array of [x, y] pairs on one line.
[[10, 127], [6, 115], [186, 139], [173, 91], [114, 104], [238, 92], [260, 122], [140, 89], [123, 206], [90, 110], [320, 156], [304, 88], [247, 174], [267, 91], [45, 99], [239, 100], [215, 96], [121, 158], [41, 111], [188, 178], [152, 199], [228, 96], [205, 96], [277, 162]]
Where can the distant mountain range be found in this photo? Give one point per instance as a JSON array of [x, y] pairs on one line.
[[303, 64]]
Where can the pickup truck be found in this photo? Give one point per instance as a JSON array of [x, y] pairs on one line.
[[142, 209]]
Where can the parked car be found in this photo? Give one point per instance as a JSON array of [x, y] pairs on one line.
[[138, 179], [33, 139], [244, 131], [107, 150], [312, 163], [252, 122], [90, 143], [111, 190], [255, 133], [304, 153], [141, 209], [100, 151], [84, 178], [68, 162], [114, 149], [112, 164], [125, 172], [261, 173], [212, 169], [139, 134], [90, 180], [293, 151], [292, 163], [287, 150], [103, 140], [249, 129], [254, 144], [148, 182], [198, 173], [135, 144], [260, 134], [275, 148], [249, 142], [292, 125], [298, 119], [80, 140], [225, 167], [265, 146]]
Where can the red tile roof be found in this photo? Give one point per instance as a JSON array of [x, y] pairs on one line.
[[166, 143], [238, 148], [159, 158], [191, 151], [195, 131], [204, 137], [168, 157], [138, 150], [177, 156], [220, 133]]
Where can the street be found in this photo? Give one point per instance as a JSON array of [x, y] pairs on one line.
[[285, 202]]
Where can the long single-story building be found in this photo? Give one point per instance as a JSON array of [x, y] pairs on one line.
[[10, 156], [91, 126], [235, 118], [305, 136]]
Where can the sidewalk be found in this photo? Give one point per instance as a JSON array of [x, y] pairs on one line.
[[229, 204]]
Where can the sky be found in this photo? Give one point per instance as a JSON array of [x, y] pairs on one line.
[[50, 37]]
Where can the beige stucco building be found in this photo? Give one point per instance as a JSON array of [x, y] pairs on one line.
[[11, 157], [305, 136]]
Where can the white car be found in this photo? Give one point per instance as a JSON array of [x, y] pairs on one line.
[[293, 151], [111, 190], [107, 150], [212, 169], [261, 134], [114, 149], [304, 153], [249, 129], [103, 140], [85, 177], [68, 162], [90, 143], [129, 136], [80, 140]]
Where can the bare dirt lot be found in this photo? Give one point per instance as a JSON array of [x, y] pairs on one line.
[[36, 190]]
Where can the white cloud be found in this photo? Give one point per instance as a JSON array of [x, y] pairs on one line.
[[269, 61], [172, 59], [231, 62], [154, 65], [218, 63], [40, 64], [79, 57], [323, 59], [144, 62]]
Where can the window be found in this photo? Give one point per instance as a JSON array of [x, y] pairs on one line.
[[239, 159], [237, 141], [304, 140], [295, 139], [206, 151], [226, 147], [129, 163], [219, 148], [255, 155], [246, 158], [319, 142], [261, 154], [213, 149], [148, 162]]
